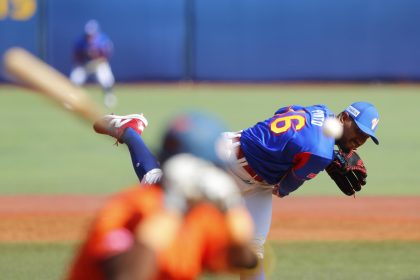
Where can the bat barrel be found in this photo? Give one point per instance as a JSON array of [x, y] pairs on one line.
[[39, 76]]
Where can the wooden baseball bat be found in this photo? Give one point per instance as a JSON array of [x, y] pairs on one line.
[[39, 76]]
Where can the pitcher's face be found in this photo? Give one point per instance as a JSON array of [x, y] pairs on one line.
[[352, 137]]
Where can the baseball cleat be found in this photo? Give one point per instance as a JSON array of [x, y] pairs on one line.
[[115, 126]]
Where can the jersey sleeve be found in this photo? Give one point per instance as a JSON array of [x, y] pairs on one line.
[[306, 166], [109, 236], [113, 229]]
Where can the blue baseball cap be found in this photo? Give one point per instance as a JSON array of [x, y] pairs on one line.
[[366, 117]]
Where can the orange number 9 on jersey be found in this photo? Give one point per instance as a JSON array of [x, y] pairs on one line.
[[284, 123]]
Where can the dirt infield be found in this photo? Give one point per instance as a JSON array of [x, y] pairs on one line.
[[65, 218]]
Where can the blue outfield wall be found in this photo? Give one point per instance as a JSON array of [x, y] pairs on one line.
[[306, 39], [148, 36], [230, 40], [19, 27]]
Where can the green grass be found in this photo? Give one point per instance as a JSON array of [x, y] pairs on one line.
[[352, 260], [292, 261], [45, 150], [34, 261]]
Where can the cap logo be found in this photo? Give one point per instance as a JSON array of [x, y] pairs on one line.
[[374, 123], [353, 111]]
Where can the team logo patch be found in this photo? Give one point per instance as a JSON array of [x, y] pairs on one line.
[[374, 123], [353, 111], [311, 175]]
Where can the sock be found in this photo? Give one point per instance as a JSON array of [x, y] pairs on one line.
[[142, 158]]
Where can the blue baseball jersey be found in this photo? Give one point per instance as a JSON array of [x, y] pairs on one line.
[[98, 46], [290, 147]]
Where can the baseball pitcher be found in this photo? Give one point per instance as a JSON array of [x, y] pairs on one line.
[[278, 155]]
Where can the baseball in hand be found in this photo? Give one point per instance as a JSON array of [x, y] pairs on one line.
[[332, 128]]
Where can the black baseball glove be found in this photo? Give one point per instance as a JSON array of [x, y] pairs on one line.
[[348, 171]]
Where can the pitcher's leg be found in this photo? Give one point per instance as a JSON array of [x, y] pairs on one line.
[[78, 75], [259, 205], [141, 157], [106, 80], [128, 129]]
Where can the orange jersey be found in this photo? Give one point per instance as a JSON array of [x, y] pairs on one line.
[[112, 231], [200, 244]]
